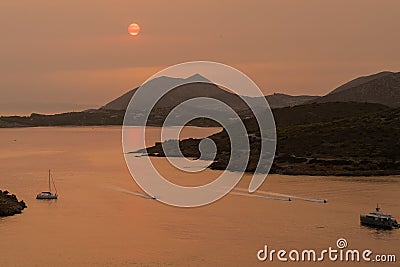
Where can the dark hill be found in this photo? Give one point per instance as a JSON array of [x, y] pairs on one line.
[[374, 136], [360, 81], [323, 112], [382, 88], [197, 86], [277, 100]]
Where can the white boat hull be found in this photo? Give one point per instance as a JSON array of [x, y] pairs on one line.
[[40, 196]]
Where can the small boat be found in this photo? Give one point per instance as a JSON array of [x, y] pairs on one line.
[[48, 194], [379, 220]]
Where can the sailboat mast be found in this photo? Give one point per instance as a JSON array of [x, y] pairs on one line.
[[49, 182]]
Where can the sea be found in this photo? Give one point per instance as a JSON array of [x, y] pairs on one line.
[[102, 219]]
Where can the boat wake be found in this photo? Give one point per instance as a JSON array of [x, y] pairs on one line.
[[253, 195], [276, 196], [235, 191], [134, 193]]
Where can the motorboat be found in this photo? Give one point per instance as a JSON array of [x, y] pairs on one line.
[[379, 220]]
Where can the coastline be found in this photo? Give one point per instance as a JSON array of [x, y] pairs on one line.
[[312, 165], [9, 204], [305, 170]]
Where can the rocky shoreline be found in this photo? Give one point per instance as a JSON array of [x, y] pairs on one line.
[[315, 140], [9, 204], [291, 165]]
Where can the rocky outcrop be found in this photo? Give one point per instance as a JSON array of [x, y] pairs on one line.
[[9, 204]]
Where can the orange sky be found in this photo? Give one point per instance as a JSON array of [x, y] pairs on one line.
[[70, 55]]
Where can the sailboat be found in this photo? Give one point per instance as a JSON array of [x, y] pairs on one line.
[[48, 194]]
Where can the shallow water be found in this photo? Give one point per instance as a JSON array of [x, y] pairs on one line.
[[93, 224]]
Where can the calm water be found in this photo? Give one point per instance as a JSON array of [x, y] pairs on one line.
[[92, 224]]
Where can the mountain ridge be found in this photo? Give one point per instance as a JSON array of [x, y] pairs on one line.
[[276, 100], [382, 88]]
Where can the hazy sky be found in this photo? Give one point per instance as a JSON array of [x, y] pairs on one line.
[[63, 55]]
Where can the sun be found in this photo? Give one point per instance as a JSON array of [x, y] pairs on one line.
[[134, 29]]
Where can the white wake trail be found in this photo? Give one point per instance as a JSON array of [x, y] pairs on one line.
[[119, 189], [253, 195], [284, 195]]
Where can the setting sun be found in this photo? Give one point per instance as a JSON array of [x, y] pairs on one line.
[[133, 29]]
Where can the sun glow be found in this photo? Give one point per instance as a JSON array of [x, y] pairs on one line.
[[134, 29]]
